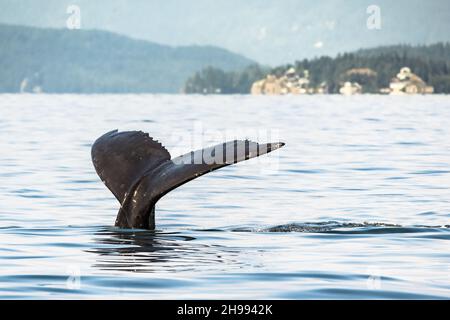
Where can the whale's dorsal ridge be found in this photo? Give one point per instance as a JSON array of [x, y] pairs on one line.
[[122, 158]]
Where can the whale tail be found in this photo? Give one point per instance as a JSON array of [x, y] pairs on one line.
[[139, 170]]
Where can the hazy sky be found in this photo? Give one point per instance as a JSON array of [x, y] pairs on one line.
[[268, 31]]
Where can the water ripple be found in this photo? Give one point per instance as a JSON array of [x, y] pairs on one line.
[[287, 225], [333, 227]]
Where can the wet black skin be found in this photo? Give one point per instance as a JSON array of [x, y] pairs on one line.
[[139, 170]]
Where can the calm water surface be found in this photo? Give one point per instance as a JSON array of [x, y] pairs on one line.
[[357, 205]]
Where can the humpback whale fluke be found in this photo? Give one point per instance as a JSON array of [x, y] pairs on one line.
[[139, 170]]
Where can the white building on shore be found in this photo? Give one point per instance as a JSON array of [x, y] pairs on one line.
[[407, 82]]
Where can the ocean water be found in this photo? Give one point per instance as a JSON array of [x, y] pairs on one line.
[[356, 205]]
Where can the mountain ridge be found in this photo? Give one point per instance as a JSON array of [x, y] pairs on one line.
[[96, 61], [270, 32]]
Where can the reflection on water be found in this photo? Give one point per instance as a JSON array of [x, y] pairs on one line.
[[150, 251], [357, 204]]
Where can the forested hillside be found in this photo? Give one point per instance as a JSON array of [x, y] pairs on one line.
[[61, 61], [431, 63]]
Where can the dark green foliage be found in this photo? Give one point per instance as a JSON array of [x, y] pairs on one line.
[[441, 84], [213, 80]]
